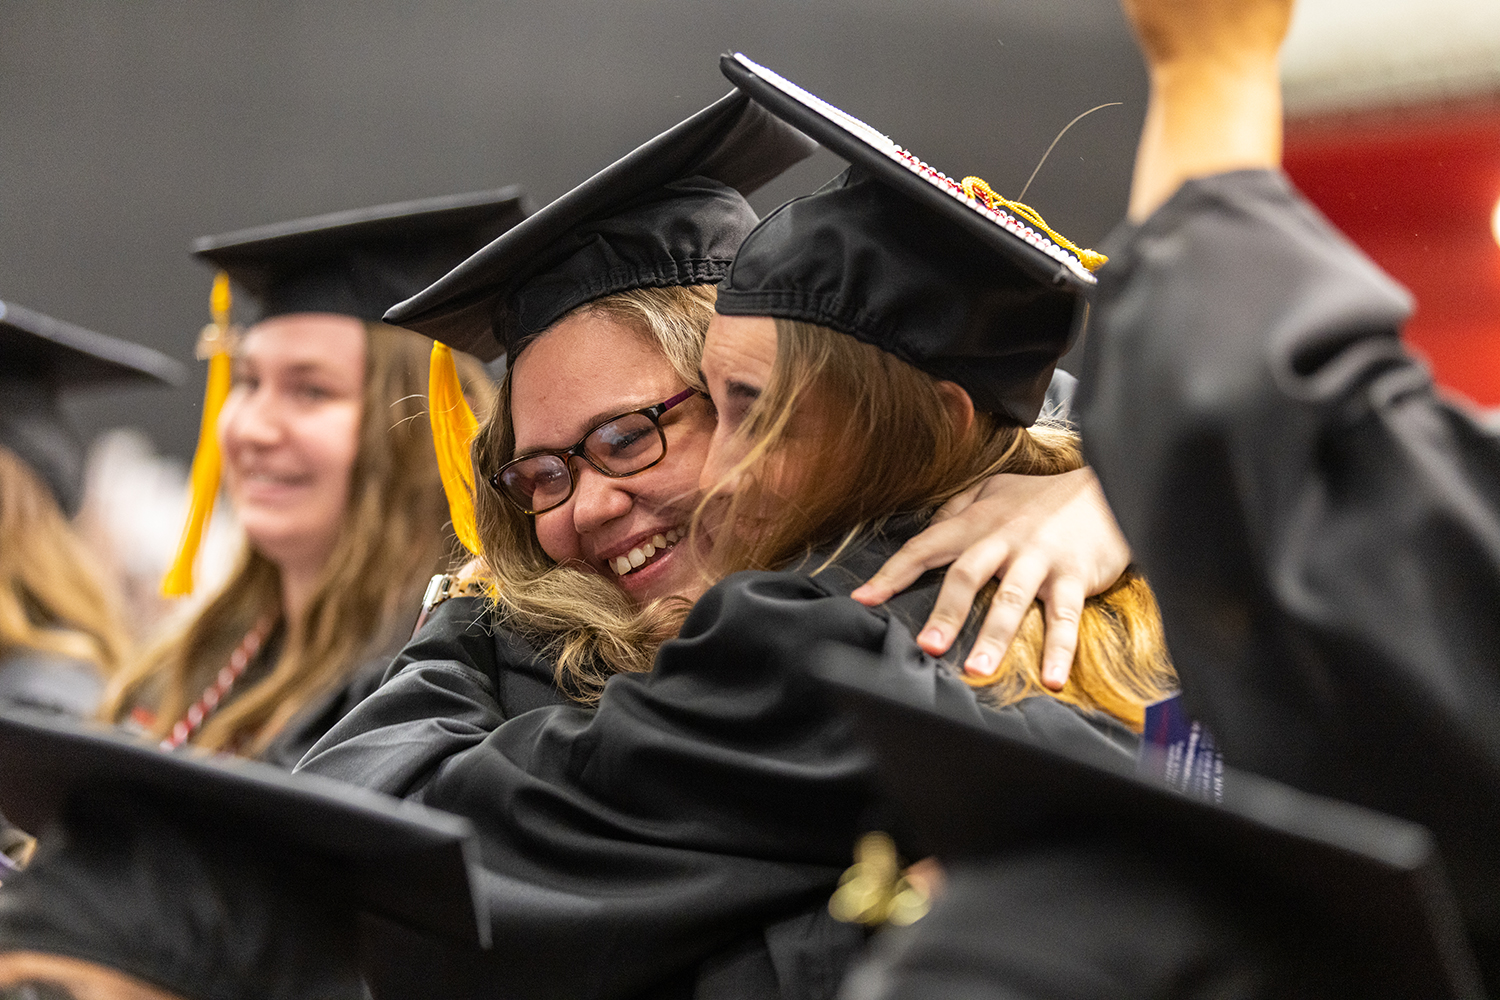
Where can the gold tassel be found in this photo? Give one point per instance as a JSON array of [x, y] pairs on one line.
[[213, 344], [453, 430]]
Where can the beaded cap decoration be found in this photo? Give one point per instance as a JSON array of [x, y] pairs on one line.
[[858, 142]]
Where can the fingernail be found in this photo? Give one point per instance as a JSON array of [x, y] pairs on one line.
[[930, 637], [980, 663], [1054, 677]]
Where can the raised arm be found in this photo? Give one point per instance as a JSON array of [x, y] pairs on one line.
[[1321, 527]]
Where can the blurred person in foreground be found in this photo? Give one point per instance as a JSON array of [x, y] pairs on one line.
[[1321, 524], [179, 875], [329, 463]]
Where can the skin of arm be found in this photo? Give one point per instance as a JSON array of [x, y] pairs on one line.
[[85, 980], [1215, 102]]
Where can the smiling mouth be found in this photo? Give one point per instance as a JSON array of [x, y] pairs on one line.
[[646, 553]]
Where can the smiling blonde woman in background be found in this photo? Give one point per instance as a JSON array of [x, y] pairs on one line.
[[328, 461]]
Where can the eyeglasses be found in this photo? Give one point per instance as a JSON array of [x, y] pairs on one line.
[[621, 446]]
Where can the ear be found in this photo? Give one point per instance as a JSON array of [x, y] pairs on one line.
[[958, 404]]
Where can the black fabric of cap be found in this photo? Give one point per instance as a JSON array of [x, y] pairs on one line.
[[866, 260], [41, 357], [359, 263], [670, 213], [394, 858], [1375, 880], [221, 917], [897, 260]]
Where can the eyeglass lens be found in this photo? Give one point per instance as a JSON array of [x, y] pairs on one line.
[[625, 445]]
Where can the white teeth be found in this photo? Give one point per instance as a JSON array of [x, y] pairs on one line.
[[637, 557]]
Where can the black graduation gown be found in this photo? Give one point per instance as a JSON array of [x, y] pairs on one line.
[[1321, 527], [713, 799]]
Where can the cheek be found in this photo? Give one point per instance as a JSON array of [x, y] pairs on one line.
[[330, 441], [555, 533]]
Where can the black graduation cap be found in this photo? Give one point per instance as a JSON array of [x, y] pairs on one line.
[[41, 357], [360, 262], [397, 859], [964, 791], [945, 275], [670, 213]]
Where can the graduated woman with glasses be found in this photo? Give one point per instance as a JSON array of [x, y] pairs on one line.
[[696, 820]]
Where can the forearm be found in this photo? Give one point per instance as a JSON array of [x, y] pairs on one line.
[[1203, 120], [1215, 100]]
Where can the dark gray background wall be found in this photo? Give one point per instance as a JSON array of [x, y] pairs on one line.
[[127, 128]]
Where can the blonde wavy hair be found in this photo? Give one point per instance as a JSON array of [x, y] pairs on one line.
[[875, 439], [585, 625], [392, 539], [52, 599]]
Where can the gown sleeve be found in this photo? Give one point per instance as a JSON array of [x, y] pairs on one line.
[[699, 803], [457, 680], [1321, 527]]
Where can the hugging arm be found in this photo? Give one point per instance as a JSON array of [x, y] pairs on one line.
[[1047, 538]]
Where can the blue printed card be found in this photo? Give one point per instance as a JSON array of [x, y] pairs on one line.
[[1180, 752]]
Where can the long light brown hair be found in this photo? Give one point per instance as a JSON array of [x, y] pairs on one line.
[[51, 597], [587, 626], [392, 539], [874, 438]]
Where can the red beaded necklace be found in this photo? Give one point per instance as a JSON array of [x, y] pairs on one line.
[[214, 694]]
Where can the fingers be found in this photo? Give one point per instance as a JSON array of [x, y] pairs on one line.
[[961, 584], [1011, 602], [1062, 602], [934, 547]]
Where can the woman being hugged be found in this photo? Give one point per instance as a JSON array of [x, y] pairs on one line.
[[328, 461]]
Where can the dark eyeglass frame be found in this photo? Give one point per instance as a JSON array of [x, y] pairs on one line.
[[652, 413]]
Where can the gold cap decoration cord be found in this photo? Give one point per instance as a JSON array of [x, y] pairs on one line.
[[976, 188], [214, 345], [453, 431]]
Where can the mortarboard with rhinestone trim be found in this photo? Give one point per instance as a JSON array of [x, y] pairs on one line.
[[670, 213], [944, 274]]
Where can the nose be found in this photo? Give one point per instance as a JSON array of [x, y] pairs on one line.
[[597, 499], [251, 419], [723, 454]]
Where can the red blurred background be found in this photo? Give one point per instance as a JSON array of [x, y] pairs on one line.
[[1417, 189]]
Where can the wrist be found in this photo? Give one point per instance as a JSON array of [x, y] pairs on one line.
[[1206, 117]]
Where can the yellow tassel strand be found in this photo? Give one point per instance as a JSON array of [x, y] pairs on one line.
[[453, 431], [213, 344], [976, 188]]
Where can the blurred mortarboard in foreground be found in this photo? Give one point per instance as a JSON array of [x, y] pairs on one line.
[[945, 275], [355, 263], [1372, 882], [41, 357], [360, 262], [336, 848], [670, 213]]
